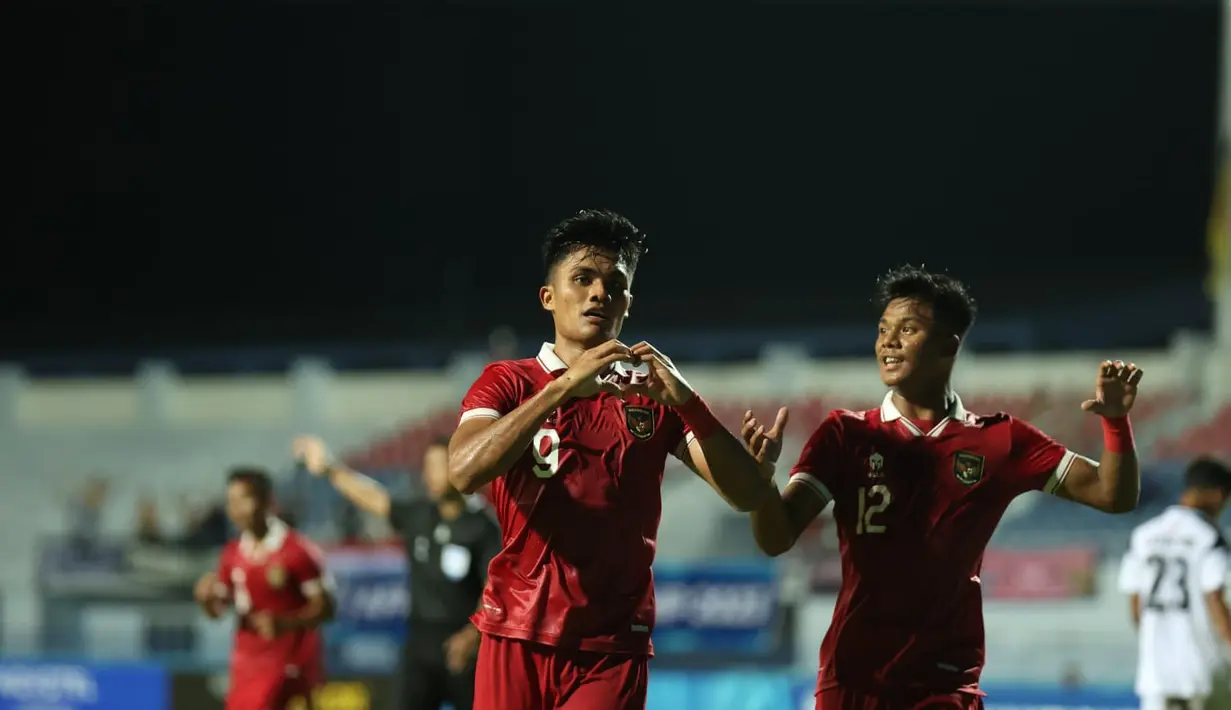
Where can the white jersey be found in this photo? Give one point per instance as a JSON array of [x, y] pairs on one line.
[[1173, 561]]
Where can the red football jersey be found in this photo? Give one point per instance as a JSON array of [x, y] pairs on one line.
[[914, 512], [276, 575], [579, 513]]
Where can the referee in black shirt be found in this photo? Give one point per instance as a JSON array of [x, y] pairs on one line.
[[449, 542]]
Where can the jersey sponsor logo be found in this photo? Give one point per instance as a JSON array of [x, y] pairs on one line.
[[640, 421], [876, 465], [967, 468], [276, 576]]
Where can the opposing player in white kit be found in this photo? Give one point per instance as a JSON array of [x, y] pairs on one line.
[[1174, 574]]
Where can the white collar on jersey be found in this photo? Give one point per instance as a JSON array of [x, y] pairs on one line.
[[891, 413], [549, 359], [275, 537], [1186, 510]]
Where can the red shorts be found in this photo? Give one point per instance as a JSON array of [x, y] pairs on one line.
[[840, 698], [522, 675], [269, 692]]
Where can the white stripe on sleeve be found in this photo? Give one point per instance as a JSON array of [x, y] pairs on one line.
[[1062, 470], [479, 414], [813, 483]]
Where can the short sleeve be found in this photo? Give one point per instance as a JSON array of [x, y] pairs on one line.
[[821, 458], [1212, 573], [681, 437], [497, 392], [1041, 462], [309, 570], [1132, 573]]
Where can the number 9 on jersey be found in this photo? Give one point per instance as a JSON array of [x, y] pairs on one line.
[[546, 449]]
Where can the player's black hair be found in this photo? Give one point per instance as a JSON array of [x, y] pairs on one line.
[[952, 305], [1208, 474], [599, 230], [258, 481], [440, 440]]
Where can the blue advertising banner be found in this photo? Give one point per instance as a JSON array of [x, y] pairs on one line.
[[373, 600], [712, 607], [729, 690], [716, 607], [69, 686]]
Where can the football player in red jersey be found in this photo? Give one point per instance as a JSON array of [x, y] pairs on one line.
[[276, 581], [573, 443], [919, 485]]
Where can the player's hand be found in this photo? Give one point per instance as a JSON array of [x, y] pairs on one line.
[[765, 446], [264, 623], [312, 453], [206, 589], [583, 377], [461, 648], [664, 383], [1115, 390]]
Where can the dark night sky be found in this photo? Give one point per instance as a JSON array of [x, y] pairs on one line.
[[311, 171]]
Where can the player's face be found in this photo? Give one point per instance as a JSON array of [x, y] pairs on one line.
[[242, 506], [588, 296], [909, 343], [436, 473]]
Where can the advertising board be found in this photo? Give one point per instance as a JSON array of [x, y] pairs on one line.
[[74, 686]]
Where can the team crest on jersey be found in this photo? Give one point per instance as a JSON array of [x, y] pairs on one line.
[[640, 421], [967, 468], [276, 576]]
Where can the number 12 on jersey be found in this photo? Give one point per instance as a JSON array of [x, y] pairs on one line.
[[872, 502]]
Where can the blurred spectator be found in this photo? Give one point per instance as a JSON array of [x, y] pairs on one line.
[[85, 511], [149, 530], [288, 511], [1072, 678], [207, 525]]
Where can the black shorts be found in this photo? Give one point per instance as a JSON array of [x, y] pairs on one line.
[[426, 682]]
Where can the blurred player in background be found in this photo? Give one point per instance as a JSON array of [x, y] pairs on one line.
[[1175, 573], [449, 542], [277, 583], [574, 449], [919, 485]]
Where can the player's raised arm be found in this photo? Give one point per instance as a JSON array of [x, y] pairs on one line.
[[780, 520], [712, 452], [1112, 485], [366, 494], [493, 432]]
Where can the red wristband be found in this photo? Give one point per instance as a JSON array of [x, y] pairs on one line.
[[698, 418], [1118, 435]]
